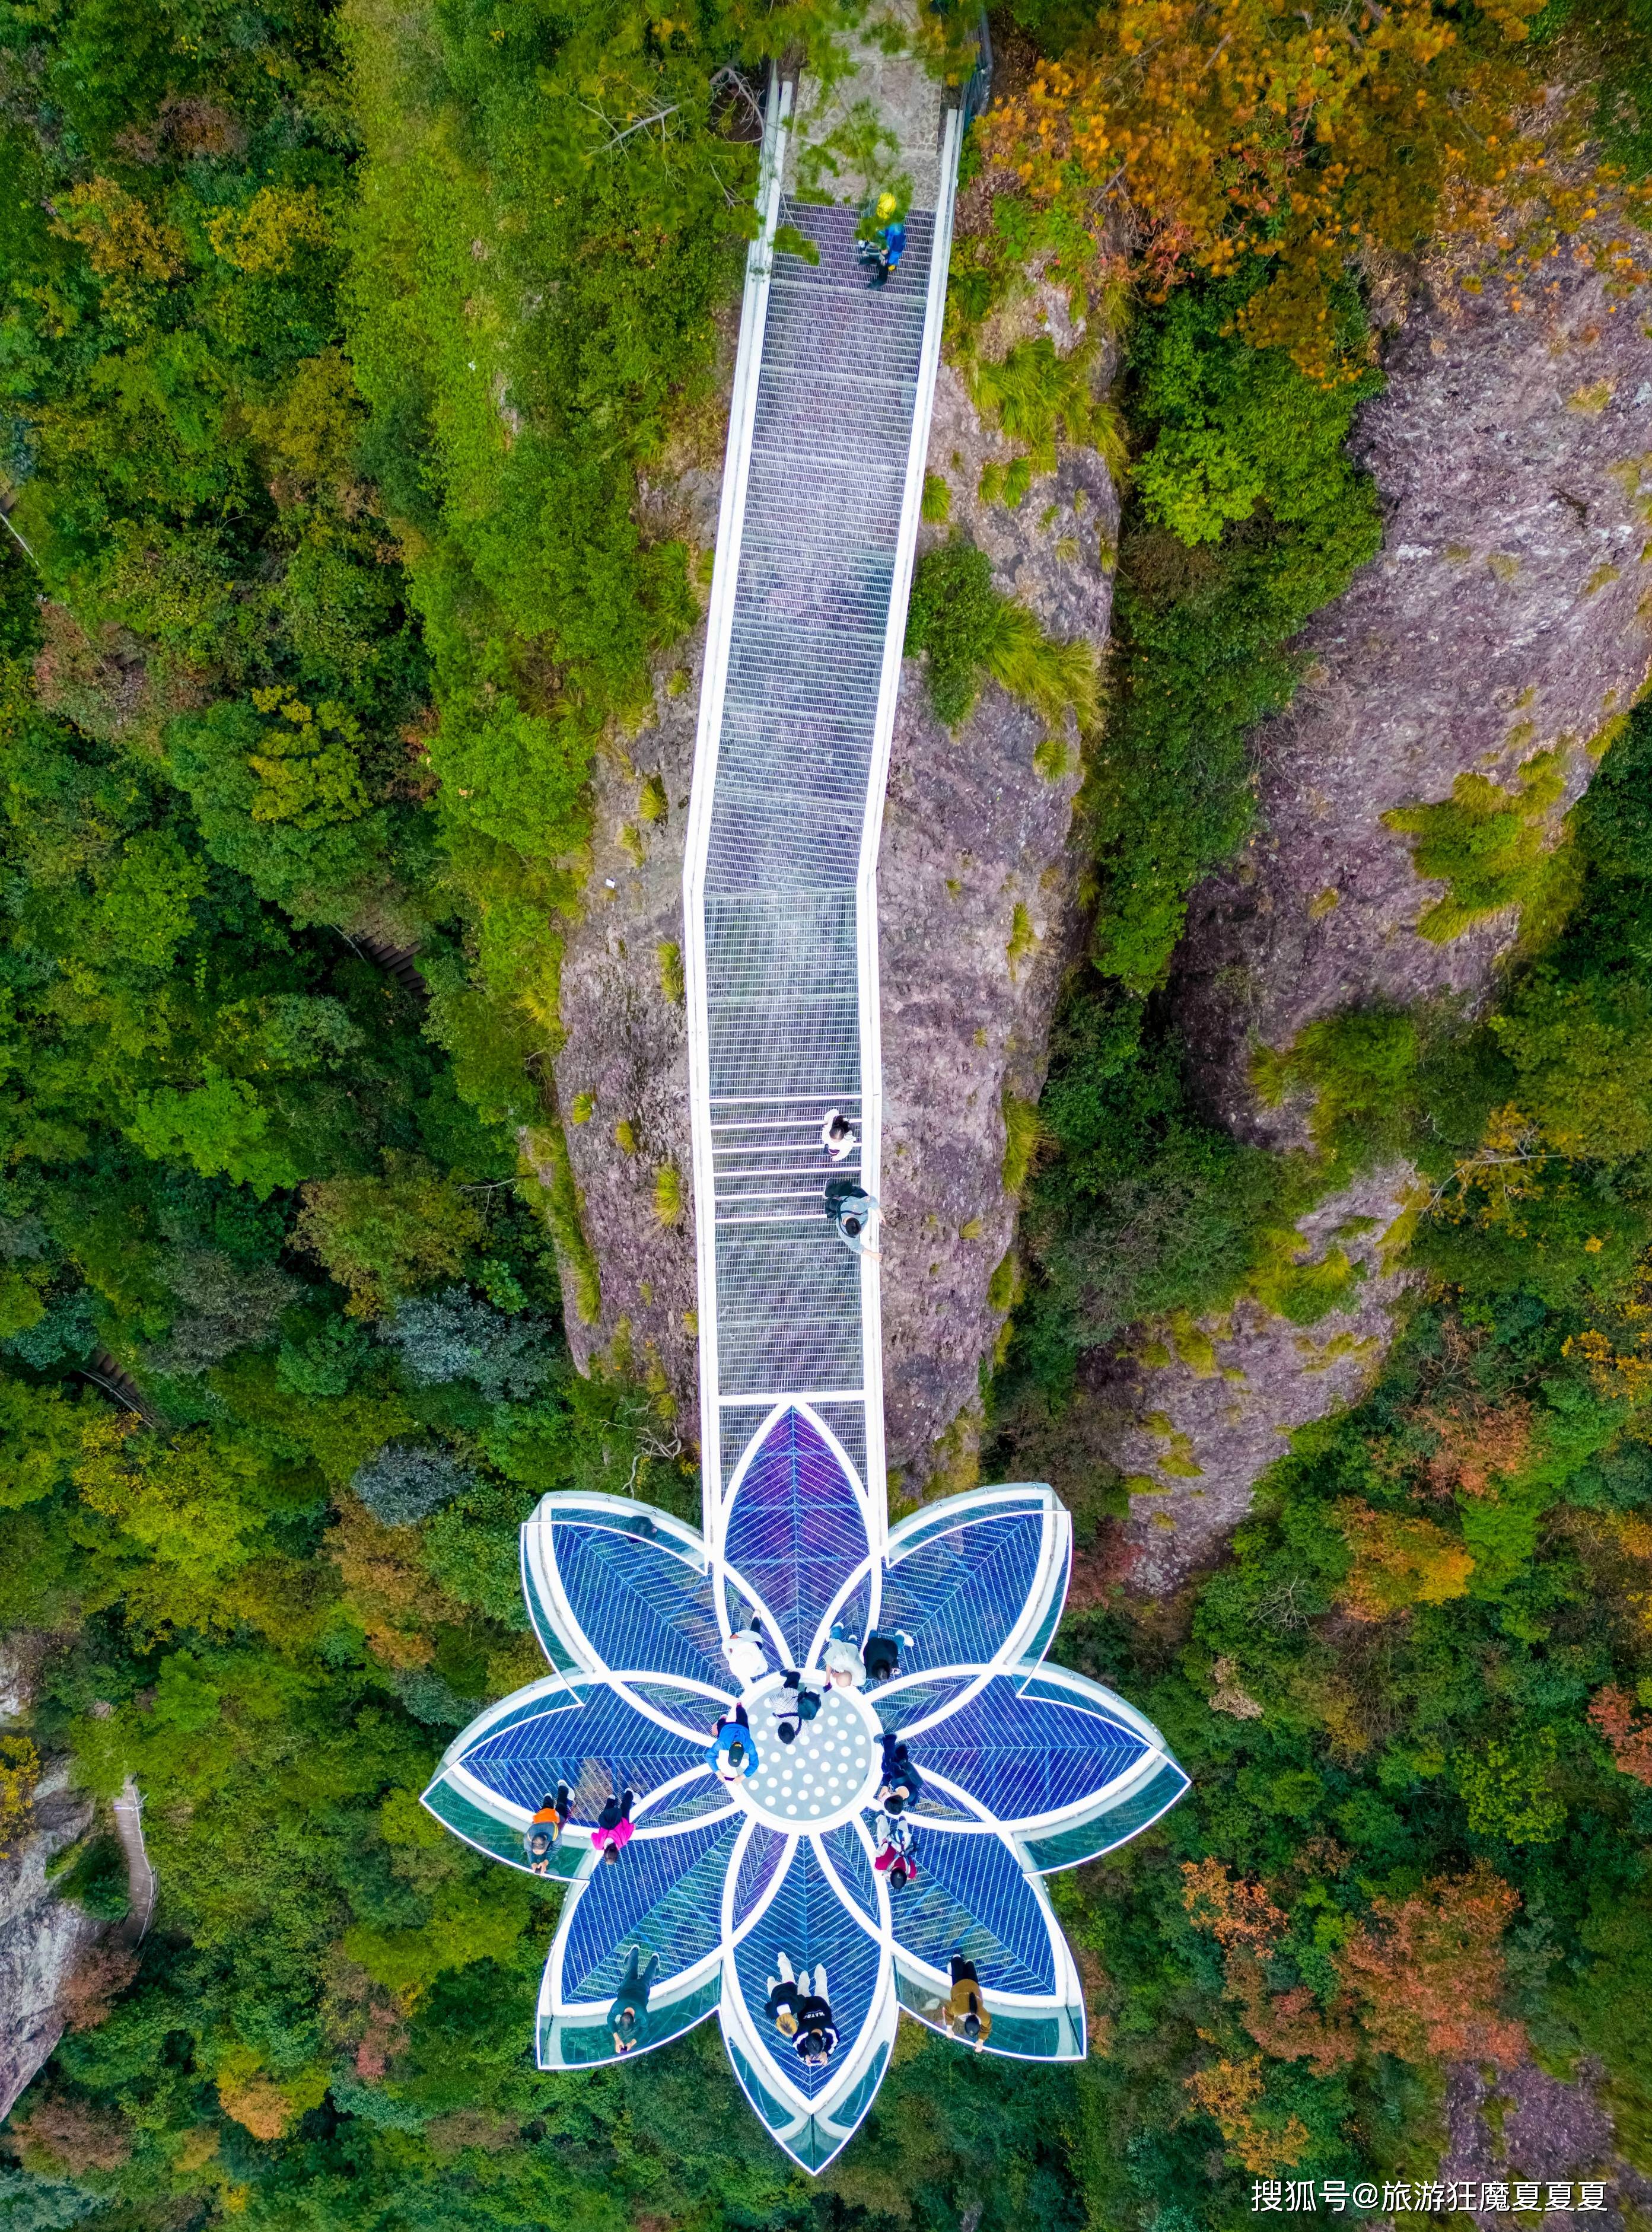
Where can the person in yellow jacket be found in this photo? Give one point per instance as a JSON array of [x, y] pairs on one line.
[[964, 2014]]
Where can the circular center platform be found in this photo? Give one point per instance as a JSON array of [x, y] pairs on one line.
[[829, 1772]]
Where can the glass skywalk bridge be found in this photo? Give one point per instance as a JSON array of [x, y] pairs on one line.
[[1026, 1767]]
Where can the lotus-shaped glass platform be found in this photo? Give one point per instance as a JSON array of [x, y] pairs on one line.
[[1025, 1768]]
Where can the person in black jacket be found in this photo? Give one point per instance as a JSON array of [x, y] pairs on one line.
[[900, 1784], [816, 2034]]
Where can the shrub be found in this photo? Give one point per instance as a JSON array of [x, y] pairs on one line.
[[406, 1480], [967, 630], [454, 1336]]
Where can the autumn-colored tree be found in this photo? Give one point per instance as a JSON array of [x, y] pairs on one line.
[[65, 2134], [1291, 2026], [1244, 1922], [1612, 1713], [386, 1236], [1477, 1440], [1203, 135], [1398, 1562], [1230, 2092], [1234, 1911], [19, 1778], [388, 1589], [1427, 1972]]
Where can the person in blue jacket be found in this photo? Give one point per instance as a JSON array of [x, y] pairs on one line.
[[887, 243], [731, 1755]]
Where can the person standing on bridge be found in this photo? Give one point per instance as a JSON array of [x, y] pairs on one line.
[[545, 1830], [628, 2017], [853, 1213], [837, 1135], [731, 1755], [743, 1650], [613, 1830], [885, 244], [816, 2034]]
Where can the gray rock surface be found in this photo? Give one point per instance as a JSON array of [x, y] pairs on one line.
[[1506, 616], [1196, 1430], [626, 1058], [42, 1938], [972, 832], [1501, 2125]]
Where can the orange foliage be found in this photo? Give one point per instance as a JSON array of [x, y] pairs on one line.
[[1289, 2025], [1246, 128], [1398, 1562], [1628, 1733], [1477, 1442], [387, 1588], [1234, 1912], [1228, 2093], [73, 2135], [93, 1985], [1430, 1973]]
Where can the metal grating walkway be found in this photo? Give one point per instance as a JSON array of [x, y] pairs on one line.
[[826, 444]]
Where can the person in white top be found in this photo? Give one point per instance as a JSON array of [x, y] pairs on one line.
[[845, 1668], [837, 1135], [744, 1651]]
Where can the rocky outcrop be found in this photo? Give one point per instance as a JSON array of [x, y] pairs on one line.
[[977, 914], [1498, 636], [44, 1939], [622, 1077], [1505, 618], [978, 911], [1202, 1411]]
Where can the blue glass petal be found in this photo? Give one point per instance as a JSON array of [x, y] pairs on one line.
[[765, 1852], [1020, 1755], [583, 2039], [619, 1600], [598, 1746], [850, 1863], [963, 1584], [972, 1896], [808, 1922], [664, 1894], [795, 1528]]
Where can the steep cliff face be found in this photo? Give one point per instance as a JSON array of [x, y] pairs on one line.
[[1480, 660], [978, 912], [977, 917], [42, 1938], [622, 1077], [1502, 630]]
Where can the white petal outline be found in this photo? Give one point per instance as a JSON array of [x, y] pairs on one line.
[[552, 1696], [564, 2028], [1116, 1796], [810, 2129], [1049, 2026], [1028, 1636], [868, 1505]]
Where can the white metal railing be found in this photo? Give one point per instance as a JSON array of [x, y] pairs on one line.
[[711, 1146]]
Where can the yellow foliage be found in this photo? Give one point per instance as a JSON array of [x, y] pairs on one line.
[[1398, 1562], [307, 432], [122, 241], [1217, 131], [19, 1778], [279, 225], [257, 2103], [1229, 2093]]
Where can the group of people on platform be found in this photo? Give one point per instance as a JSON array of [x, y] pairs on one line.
[[799, 2003]]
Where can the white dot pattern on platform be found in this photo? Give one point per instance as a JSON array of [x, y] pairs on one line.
[[824, 1772]]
